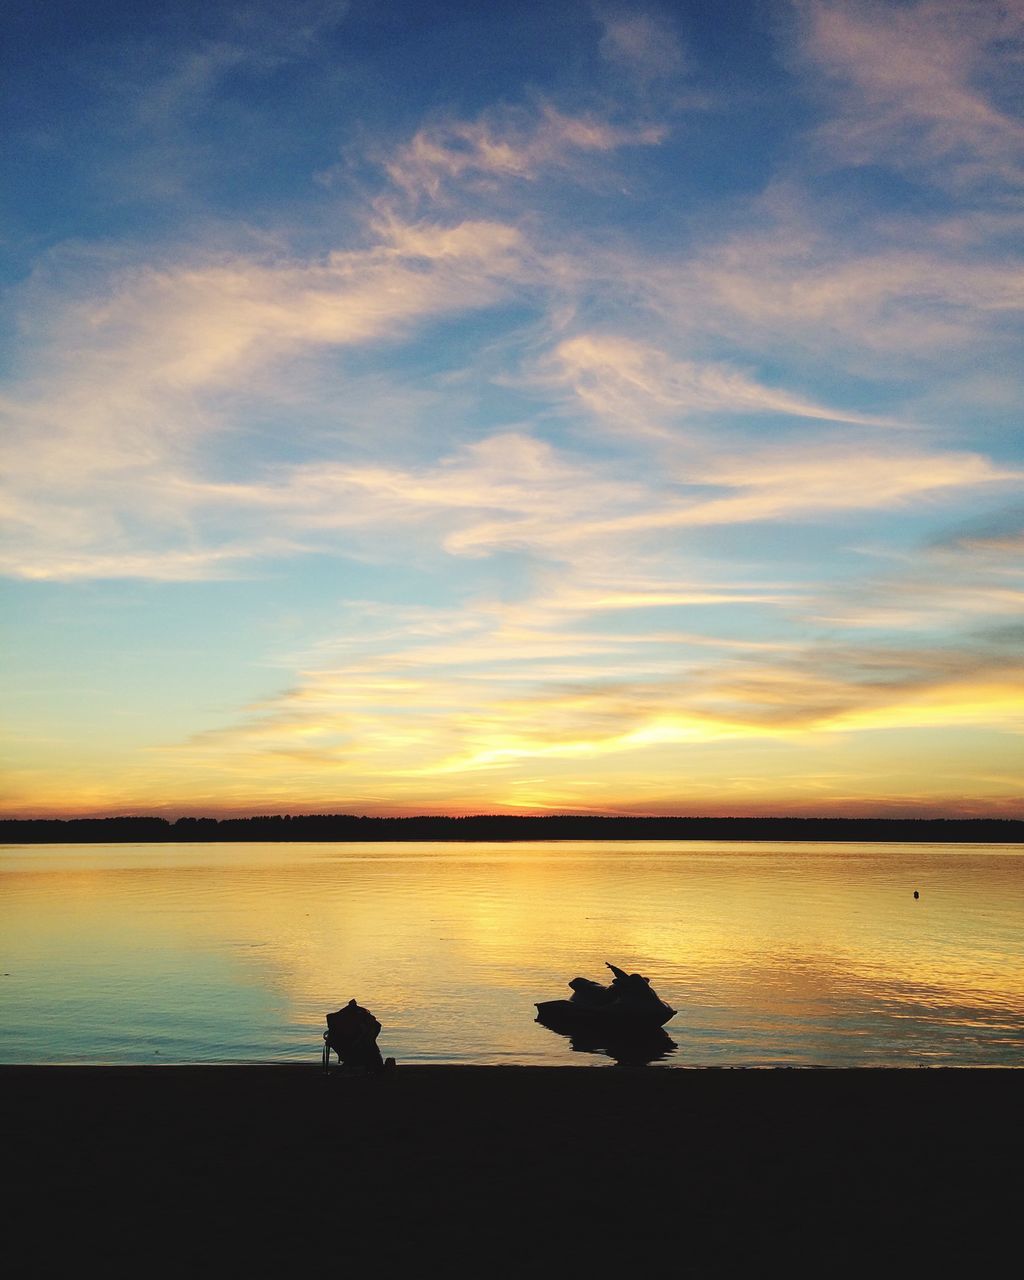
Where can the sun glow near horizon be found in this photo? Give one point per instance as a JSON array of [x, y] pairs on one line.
[[415, 409]]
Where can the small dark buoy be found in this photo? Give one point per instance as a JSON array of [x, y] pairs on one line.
[[916, 894]]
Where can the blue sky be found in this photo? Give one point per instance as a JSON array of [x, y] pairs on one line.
[[458, 407]]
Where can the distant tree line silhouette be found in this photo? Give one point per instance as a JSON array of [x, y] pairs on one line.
[[347, 827]]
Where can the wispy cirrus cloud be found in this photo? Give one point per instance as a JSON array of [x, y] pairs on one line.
[[995, 538], [516, 693], [643, 44], [772, 485], [879, 307], [511, 695], [119, 418], [514, 143], [908, 76], [639, 386], [108, 424], [968, 580], [160, 103], [515, 492], [560, 426]]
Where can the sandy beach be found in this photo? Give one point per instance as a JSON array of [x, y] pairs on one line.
[[507, 1171]]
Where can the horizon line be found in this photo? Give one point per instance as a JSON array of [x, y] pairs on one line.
[[568, 816]]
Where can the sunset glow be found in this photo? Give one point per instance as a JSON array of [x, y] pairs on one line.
[[446, 407]]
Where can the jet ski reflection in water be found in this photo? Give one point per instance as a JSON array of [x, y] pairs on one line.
[[624, 1019]]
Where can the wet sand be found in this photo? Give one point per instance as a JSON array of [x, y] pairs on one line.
[[508, 1171]]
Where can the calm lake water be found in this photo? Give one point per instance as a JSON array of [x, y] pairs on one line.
[[772, 953]]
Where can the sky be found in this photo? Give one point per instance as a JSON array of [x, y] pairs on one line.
[[435, 407]]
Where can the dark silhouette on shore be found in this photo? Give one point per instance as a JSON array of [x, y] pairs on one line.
[[352, 1034], [346, 826], [628, 1001], [623, 1020]]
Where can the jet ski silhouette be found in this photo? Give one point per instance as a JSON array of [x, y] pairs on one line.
[[629, 1005]]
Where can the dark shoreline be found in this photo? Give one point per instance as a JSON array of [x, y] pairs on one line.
[[480, 827], [511, 1170]]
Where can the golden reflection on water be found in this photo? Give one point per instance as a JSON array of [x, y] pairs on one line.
[[771, 952]]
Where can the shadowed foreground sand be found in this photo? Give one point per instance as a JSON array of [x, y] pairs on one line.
[[508, 1171]]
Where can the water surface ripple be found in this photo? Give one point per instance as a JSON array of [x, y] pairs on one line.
[[795, 954]]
